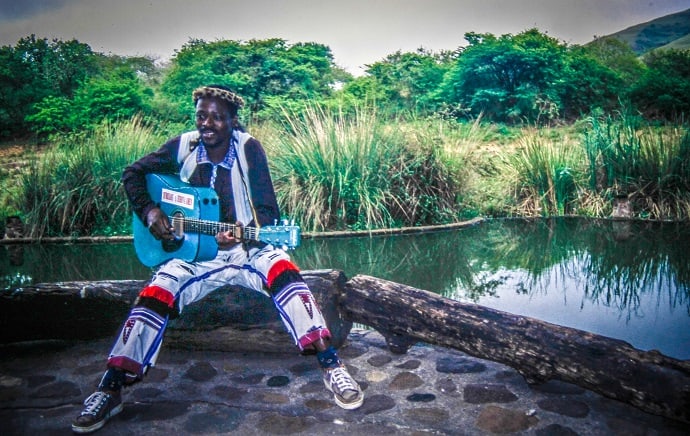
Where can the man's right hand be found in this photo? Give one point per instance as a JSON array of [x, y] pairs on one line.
[[158, 224]]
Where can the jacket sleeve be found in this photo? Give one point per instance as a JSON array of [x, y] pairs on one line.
[[162, 161], [263, 193]]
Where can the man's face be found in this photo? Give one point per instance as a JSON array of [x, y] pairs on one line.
[[213, 121]]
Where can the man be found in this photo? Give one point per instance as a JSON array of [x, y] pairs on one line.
[[222, 156]]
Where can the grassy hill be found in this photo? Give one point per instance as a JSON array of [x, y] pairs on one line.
[[670, 31], [682, 43]]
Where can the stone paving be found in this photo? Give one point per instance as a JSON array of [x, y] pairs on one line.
[[428, 391]]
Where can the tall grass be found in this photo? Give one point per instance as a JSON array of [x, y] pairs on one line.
[[650, 165], [444, 156], [543, 174], [331, 170], [74, 188], [354, 171], [13, 159]]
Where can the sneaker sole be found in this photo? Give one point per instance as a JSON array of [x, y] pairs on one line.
[[341, 404], [99, 424]]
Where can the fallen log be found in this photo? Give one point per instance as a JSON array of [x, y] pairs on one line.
[[238, 319], [230, 319], [538, 350]]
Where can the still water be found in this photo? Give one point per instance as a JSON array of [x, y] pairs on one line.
[[627, 280]]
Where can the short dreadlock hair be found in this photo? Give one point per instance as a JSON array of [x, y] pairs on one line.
[[234, 101]]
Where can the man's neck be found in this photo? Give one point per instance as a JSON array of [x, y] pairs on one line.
[[217, 154]]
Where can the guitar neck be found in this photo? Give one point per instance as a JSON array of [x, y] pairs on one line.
[[194, 225]]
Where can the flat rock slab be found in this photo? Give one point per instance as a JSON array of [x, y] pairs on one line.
[[42, 385]]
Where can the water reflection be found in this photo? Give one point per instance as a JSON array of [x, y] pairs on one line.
[[42, 263], [466, 264], [629, 280]]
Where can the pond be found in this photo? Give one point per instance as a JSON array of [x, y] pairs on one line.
[[626, 280]]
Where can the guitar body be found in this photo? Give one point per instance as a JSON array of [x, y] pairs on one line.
[[194, 213], [177, 198]]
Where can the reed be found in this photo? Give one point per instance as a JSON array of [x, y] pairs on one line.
[[648, 164], [74, 188], [337, 170], [330, 169], [351, 170], [434, 178], [543, 173]]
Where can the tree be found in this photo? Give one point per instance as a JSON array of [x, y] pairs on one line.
[[618, 56], [264, 72], [115, 98], [35, 69], [664, 90], [509, 78], [404, 81], [587, 84], [117, 93]]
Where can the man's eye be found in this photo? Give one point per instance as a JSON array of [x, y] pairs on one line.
[[214, 117]]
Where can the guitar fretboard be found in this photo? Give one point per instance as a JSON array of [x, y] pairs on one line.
[[194, 225]]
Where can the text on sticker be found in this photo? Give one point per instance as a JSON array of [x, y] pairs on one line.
[[177, 199]]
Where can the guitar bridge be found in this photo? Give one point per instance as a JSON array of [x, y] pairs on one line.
[[172, 245]]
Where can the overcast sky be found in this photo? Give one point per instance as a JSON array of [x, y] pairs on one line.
[[359, 32]]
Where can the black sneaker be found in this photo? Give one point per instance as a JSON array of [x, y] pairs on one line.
[[99, 408], [346, 391]]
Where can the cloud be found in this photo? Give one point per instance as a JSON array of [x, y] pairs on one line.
[[14, 9]]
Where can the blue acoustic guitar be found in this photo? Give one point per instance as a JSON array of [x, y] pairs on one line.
[[194, 214]]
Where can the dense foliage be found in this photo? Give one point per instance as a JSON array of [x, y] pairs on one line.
[[392, 143], [36, 69], [55, 87], [266, 73]]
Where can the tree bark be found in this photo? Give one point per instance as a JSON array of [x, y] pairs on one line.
[[538, 350]]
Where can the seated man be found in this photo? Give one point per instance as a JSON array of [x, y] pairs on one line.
[[222, 156]]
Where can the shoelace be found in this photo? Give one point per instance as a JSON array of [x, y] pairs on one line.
[[342, 380], [94, 403]]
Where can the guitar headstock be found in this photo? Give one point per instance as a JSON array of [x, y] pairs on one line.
[[281, 235]]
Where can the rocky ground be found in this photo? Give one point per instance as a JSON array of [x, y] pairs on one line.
[[429, 390]]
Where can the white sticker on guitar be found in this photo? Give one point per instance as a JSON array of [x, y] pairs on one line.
[[177, 198]]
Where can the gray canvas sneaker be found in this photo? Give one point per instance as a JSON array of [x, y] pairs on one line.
[[99, 407], [346, 391]]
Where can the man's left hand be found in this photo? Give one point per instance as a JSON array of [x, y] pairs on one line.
[[229, 239]]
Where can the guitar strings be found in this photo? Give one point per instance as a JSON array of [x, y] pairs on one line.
[[203, 226]]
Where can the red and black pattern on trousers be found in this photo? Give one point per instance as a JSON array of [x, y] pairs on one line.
[[159, 300], [281, 275]]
